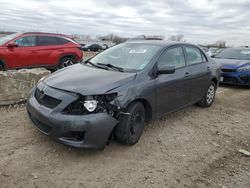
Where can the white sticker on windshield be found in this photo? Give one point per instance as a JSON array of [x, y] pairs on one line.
[[142, 51], [245, 52]]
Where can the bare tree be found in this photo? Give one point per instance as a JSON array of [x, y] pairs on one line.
[[114, 38], [108, 37], [221, 43]]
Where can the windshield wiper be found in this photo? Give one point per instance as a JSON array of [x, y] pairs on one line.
[[111, 66], [94, 65]]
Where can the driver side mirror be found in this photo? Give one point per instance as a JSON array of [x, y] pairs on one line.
[[12, 45], [166, 70]]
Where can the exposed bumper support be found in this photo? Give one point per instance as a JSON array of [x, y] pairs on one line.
[[83, 131]]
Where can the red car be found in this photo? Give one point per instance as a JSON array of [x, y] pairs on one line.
[[35, 49]]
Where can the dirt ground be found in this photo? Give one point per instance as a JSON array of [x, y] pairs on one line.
[[194, 147]]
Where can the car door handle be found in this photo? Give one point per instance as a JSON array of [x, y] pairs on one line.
[[208, 68], [187, 74]]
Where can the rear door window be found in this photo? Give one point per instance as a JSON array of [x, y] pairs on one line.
[[47, 41], [194, 55]]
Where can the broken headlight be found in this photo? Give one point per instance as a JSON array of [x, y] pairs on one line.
[[90, 104]]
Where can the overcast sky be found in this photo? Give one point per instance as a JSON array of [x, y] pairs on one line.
[[200, 21]]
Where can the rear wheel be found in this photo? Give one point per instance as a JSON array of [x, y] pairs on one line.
[[66, 61], [209, 96], [130, 128]]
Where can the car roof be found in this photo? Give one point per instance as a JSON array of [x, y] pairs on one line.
[[44, 33], [157, 42]]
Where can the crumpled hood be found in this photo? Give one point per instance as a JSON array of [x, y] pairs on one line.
[[87, 80], [231, 63]]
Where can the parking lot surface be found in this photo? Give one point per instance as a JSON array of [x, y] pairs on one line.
[[195, 147]]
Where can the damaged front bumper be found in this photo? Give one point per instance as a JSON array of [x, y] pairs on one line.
[[236, 78], [82, 131]]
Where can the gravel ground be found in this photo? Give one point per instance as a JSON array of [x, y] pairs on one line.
[[195, 147]]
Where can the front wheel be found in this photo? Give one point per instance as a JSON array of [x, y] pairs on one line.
[[1, 67], [131, 125], [209, 96]]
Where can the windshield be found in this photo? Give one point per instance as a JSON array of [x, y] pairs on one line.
[[241, 54], [7, 38], [128, 56]]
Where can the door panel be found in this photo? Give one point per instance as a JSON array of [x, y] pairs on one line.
[[200, 71], [48, 47], [172, 90], [47, 54], [200, 80], [24, 55]]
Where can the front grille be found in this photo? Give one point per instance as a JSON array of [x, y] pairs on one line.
[[228, 70], [46, 100], [230, 80]]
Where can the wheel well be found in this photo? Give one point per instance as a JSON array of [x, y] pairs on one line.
[[70, 56], [215, 81], [147, 106], [2, 63]]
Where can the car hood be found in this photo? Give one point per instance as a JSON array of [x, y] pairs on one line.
[[231, 63], [87, 80]]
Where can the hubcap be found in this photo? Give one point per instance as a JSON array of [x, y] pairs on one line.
[[210, 94], [135, 122]]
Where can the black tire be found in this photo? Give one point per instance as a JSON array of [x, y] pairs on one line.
[[130, 128], [66, 61], [1, 67], [52, 70], [209, 96]]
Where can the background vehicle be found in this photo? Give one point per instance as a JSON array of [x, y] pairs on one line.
[[235, 64], [205, 49], [104, 46], [212, 51], [35, 49], [92, 47], [120, 89]]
